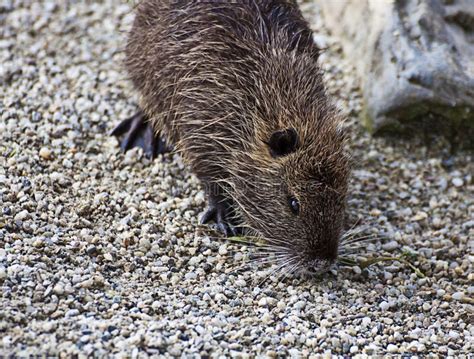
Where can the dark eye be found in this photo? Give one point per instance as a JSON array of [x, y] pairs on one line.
[[294, 205]]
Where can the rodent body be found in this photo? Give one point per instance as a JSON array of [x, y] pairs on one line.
[[235, 87]]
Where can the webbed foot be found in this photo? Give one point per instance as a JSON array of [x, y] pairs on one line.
[[220, 211], [138, 132]]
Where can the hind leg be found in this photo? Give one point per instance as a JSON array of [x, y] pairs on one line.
[[138, 132]]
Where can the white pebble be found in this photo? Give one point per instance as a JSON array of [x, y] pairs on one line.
[[3, 273], [48, 326], [391, 348], [58, 289], [390, 246], [223, 250], [45, 153], [354, 349], [21, 216], [384, 305], [300, 305], [388, 275], [190, 276], [240, 283], [266, 318], [453, 334], [145, 243], [108, 257], [457, 182]]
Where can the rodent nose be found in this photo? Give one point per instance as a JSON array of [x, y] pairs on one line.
[[329, 251]]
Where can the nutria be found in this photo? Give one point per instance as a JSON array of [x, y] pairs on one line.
[[235, 87]]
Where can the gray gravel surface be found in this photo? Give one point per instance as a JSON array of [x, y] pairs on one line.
[[101, 253]]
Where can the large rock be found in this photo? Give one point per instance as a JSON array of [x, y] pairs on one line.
[[415, 59]]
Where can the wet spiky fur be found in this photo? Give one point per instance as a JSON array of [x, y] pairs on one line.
[[217, 79]]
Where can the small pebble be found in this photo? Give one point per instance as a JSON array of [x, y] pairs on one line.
[[223, 250], [390, 246], [108, 257], [45, 153], [457, 182], [58, 289], [240, 283], [391, 348], [3, 273]]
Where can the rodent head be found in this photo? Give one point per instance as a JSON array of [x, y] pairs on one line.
[[296, 195]]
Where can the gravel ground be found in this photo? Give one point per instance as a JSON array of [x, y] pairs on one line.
[[101, 253]]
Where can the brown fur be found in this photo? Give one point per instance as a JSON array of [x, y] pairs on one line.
[[217, 79]]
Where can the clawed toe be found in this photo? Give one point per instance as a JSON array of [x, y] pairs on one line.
[[138, 132], [209, 215], [218, 214], [226, 229]]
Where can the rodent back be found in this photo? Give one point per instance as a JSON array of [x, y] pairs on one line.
[[198, 66]]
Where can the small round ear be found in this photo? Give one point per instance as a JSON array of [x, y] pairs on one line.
[[283, 142]]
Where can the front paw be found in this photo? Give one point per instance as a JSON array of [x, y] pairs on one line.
[[219, 213]]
